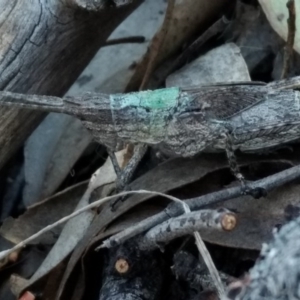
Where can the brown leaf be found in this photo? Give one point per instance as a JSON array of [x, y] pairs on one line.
[[205, 173], [168, 176], [188, 18], [257, 217], [42, 214], [222, 64]]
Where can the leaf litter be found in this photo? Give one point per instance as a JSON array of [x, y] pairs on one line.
[[245, 47]]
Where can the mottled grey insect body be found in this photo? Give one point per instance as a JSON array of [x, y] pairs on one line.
[[184, 121], [273, 121]]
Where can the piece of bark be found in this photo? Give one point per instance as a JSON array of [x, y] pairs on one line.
[[129, 273], [44, 46], [193, 271], [276, 274]]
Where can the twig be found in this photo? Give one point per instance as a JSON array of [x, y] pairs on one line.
[[187, 224], [202, 248], [127, 40], [157, 43], [268, 183], [288, 49], [23, 243]]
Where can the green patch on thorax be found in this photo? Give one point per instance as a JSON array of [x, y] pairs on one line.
[[157, 99], [160, 99]]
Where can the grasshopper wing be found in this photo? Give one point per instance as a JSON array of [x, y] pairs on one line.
[[223, 101]]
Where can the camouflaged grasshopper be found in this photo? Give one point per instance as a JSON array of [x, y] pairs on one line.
[[249, 116]]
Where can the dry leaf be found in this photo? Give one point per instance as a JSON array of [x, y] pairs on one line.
[[76, 228], [222, 64], [188, 18]]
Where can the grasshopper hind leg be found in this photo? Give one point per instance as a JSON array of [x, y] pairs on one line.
[[105, 134], [234, 167]]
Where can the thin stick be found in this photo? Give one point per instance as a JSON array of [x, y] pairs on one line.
[[267, 183], [202, 248], [288, 49], [216, 219], [23, 243], [157, 43]]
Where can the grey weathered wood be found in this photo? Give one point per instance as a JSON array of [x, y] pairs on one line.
[[44, 46], [275, 275]]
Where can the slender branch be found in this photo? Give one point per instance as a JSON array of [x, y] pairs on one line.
[[268, 183], [200, 244], [25, 242], [288, 49], [187, 224]]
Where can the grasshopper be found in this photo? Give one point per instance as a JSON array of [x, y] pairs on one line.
[[250, 116]]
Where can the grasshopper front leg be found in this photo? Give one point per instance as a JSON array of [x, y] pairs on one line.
[[124, 176]]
